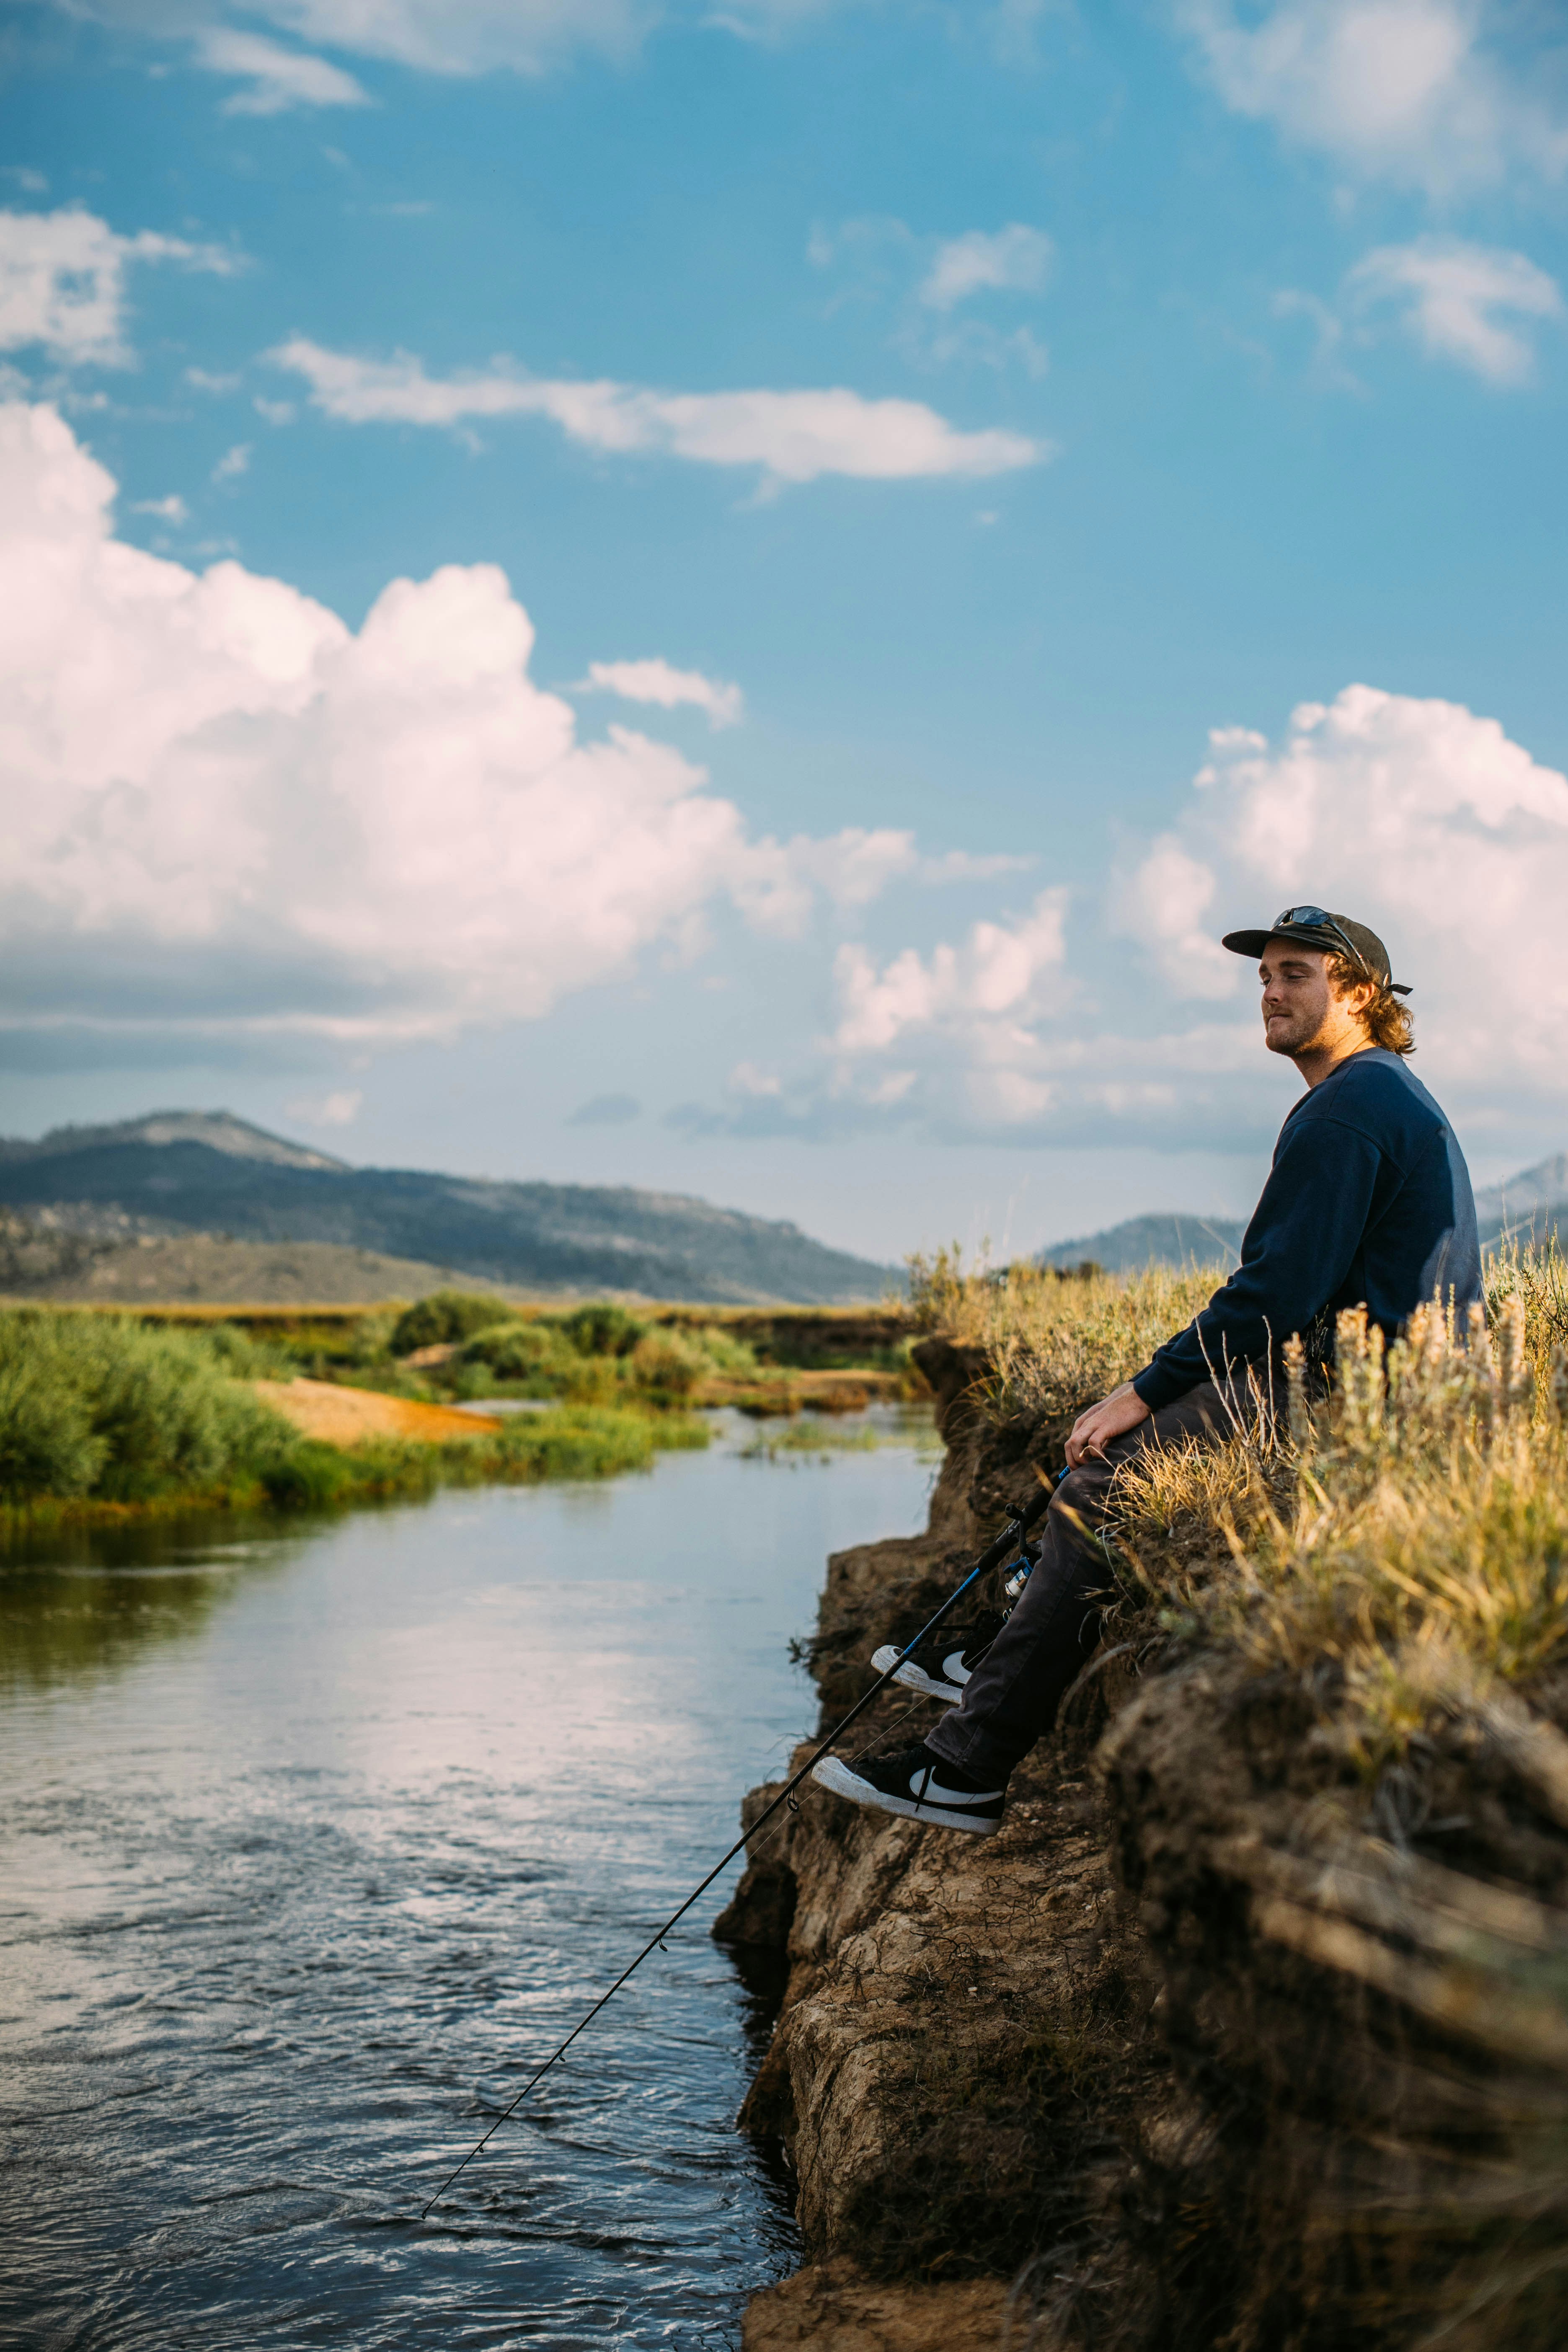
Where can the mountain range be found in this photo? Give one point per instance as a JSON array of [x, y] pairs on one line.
[[1527, 1207], [209, 1172]]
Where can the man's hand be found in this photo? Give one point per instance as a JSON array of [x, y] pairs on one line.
[[1114, 1415]]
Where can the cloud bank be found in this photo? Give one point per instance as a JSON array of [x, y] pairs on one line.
[[1422, 818], [228, 814], [1417, 816]]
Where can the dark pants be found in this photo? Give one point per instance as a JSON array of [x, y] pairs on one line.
[[1012, 1698]]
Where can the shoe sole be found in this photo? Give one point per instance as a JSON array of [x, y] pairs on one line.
[[914, 1677], [833, 1774]]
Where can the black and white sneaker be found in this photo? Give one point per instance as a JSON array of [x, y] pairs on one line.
[[917, 1786], [940, 1667]]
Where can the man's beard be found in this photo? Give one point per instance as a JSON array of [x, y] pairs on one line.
[[1286, 1036]]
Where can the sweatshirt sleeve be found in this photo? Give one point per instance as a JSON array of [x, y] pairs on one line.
[[1298, 1248]]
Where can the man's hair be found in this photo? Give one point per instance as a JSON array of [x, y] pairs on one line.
[[1387, 1017]]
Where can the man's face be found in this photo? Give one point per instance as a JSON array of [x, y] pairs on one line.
[[1297, 998]]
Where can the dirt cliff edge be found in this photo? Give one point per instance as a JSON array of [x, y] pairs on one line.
[[1205, 2049]]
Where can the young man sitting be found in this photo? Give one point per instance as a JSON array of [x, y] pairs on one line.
[[1368, 1202]]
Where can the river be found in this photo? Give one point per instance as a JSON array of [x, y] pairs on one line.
[[317, 1837]]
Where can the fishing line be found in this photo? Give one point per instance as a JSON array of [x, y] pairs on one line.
[[996, 1552]]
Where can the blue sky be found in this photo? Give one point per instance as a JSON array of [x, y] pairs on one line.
[[912, 433]]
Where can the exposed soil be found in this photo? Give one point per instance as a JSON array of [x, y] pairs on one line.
[[351, 1416], [828, 2308]]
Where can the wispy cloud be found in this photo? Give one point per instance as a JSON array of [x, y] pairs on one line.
[[470, 36], [276, 79], [339, 1109], [1015, 259], [1476, 306], [606, 1111], [170, 509], [655, 681], [927, 282], [792, 437], [62, 282], [1462, 302]]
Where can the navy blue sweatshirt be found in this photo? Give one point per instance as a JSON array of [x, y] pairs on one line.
[[1368, 1204]]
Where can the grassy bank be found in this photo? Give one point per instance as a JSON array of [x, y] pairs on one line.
[[100, 1417], [1398, 1549]]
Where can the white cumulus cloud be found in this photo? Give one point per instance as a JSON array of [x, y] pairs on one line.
[[276, 79], [1419, 818], [1013, 259], [960, 1025], [1469, 303], [226, 812], [1411, 90], [62, 282], [792, 437], [657, 682]]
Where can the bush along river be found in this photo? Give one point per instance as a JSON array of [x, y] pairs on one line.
[[316, 1841]]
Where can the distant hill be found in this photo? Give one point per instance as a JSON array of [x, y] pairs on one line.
[[1530, 1204], [43, 1261], [207, 1171], [1152, 1241]]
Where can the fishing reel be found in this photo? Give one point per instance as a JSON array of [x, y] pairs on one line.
[[1017, 1576]]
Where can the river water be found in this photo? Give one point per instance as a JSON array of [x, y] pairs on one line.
[[316, 1841]]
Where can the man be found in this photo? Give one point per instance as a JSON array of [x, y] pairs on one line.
[[1368, 1202]]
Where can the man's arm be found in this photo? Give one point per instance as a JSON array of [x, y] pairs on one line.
[[1304, 1233]]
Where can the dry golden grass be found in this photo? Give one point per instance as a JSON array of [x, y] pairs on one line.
[[1056, 1340], [1408, 1534]]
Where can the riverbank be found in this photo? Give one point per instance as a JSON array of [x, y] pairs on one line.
[[102, 1420], [1249, 2027]]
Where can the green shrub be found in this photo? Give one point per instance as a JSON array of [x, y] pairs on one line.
[[244, 1358], [99, 1405], [602, 1329], [312, 1475], [533, 1353], [445, 1319], [47, 1445], [669, 1363], [737, 1358]]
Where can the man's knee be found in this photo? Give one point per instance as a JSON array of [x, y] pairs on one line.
[[1078, 1506]]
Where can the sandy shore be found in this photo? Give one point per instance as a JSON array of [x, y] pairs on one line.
[[351, 1416]]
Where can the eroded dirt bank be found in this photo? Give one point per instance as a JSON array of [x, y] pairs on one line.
[[1214, 2044]]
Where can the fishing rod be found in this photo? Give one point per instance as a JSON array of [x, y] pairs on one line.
[[1017, 1527]]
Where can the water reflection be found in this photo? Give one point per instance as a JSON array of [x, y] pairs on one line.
[[314, 1845], [81, 1601]]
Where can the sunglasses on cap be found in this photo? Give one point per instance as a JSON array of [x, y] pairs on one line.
[[1318, 918]]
